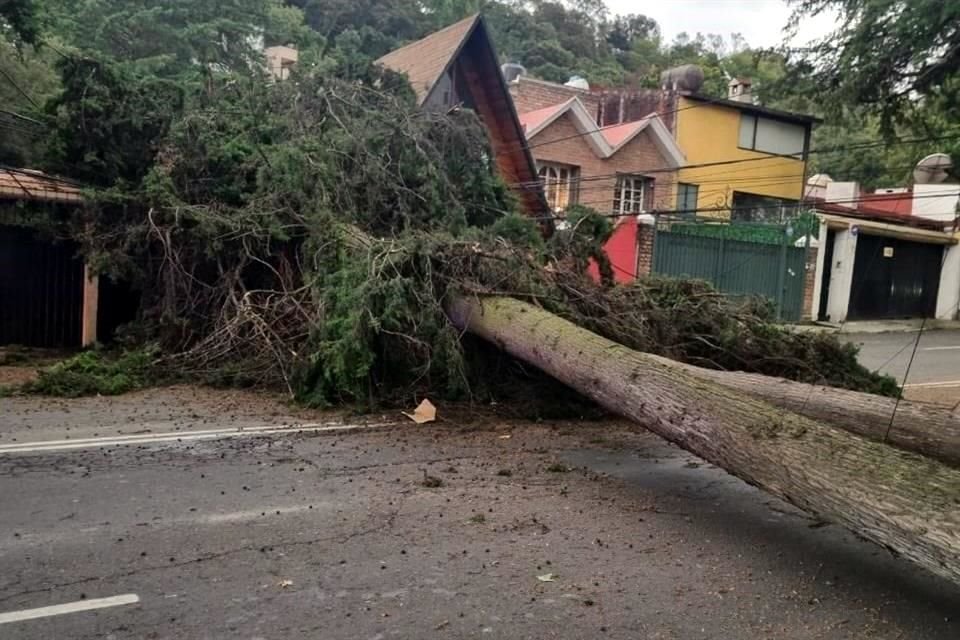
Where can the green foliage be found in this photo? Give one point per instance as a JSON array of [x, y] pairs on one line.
[[96, 373], [689, 320], [110, 118], [20, 21], [885, 53], [805, 224]]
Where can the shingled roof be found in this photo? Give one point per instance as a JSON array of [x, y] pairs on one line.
[[464, 50], [424, 61]]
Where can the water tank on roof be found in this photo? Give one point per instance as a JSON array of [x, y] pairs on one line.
[[687, 77], [511, 71], [578, 82]]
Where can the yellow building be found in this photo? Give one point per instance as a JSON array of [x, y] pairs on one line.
[[744, 162]]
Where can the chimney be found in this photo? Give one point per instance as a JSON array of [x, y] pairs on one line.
[[740, 89]]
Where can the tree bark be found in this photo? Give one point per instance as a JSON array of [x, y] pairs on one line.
[[903, 501], [924, 428]]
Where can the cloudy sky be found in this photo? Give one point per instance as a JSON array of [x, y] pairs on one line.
[[759, 21]]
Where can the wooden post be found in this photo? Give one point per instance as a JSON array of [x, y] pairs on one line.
[[91, 300]]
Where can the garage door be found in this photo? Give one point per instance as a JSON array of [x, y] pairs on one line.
[[894, 279]]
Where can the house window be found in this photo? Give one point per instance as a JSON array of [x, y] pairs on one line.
[[771, 136], [687, 195], [632, 194], [559, 185], [750, 207]]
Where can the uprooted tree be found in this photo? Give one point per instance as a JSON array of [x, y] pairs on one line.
[[326, 237]]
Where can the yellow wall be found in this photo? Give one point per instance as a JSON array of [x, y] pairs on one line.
[[709, 133]]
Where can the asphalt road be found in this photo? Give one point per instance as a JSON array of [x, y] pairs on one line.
[[473, 527], [934, 374], [937, 357]]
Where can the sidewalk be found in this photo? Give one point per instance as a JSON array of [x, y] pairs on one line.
[[881, 326]]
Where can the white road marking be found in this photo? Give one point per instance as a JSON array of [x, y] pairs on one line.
[[952, 348], [181, 436], [70, 607], [946, 383]]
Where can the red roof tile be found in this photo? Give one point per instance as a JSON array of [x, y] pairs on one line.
[[26, 184]]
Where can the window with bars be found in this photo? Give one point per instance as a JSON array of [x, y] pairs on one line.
[[634, 194], [559, 185]]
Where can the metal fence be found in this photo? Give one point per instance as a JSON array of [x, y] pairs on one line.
[[738, 267]]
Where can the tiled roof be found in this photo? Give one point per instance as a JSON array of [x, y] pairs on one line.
[[532, 120], [605, 141], [622, 133], [25, 184], [424, 61], [898, 203]]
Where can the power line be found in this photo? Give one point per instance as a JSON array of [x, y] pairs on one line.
[[782, 158], [799, 205], [705, 103]]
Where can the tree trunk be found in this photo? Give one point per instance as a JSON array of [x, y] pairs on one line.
[[903, 501], [924, 428]]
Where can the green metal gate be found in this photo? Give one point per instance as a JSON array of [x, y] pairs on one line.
[[739, 267]]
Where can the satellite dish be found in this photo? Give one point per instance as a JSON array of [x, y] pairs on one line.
[[933, 169]]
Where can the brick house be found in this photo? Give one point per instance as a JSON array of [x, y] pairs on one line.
[[626, 170]]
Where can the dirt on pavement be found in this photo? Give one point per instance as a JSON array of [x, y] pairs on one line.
[[480, 525]]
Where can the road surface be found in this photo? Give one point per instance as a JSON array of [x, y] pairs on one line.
[[475, 527], [935, 372]]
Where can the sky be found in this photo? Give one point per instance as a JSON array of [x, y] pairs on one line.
[[760, 22]]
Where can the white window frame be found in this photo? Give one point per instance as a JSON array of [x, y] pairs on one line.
[[559, 184], [629, 196]]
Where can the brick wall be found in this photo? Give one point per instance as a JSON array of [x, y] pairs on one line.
[[809, 281], [645, 235], [530, 94], [561, 142]]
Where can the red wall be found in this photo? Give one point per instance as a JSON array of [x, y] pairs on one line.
[[621, 248]]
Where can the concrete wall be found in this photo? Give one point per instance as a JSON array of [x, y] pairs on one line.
[[936, 201], [948, 294], [841, 275], [818, 273]]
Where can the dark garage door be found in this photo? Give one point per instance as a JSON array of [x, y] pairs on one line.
[[41, 290], [894, 279]]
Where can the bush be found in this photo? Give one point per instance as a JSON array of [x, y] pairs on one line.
[[95, 373]]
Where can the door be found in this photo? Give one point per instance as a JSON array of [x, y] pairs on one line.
[[894, 278], [825, 276]]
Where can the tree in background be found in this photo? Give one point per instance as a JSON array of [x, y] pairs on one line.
[[891, 69]]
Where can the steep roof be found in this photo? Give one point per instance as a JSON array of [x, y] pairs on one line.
[[466, 50], [425, 60], [605, 141]]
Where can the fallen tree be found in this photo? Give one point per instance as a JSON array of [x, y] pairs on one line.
[[905, 502], [249, 228], [928, 429]]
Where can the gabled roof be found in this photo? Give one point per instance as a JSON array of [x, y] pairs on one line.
[[426, 60], [466, 46], [604, 141]]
